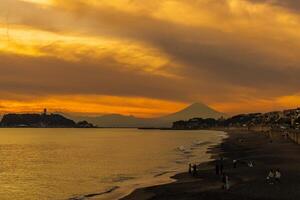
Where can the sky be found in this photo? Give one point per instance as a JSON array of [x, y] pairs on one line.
[[148, 58]]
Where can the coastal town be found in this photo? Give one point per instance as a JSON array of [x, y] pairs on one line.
[[258, 160], [278, 120]]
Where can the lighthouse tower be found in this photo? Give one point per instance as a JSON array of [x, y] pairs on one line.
[[45, 112]]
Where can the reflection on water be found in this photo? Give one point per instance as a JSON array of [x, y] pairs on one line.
[[73, 163]]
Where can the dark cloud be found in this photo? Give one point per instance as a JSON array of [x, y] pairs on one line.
[[204, 53], [48, 75], [290, 4]]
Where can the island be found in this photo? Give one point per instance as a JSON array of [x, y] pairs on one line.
[[43, 120]]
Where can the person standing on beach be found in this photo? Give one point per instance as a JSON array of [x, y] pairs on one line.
[[225, 180], [194, 170], [217, 168], [221, 166], [227, 186], [234, 163], [277, 176], [190, 168], [270, 177]]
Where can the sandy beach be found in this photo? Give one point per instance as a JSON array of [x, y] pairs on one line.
[[246, 182]]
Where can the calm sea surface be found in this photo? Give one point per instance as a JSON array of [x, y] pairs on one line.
[[71, 163]]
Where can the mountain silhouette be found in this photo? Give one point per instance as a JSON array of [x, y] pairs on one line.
[[195, 110], [116, 120]]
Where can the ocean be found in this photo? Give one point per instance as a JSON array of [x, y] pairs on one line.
[[61, 164]]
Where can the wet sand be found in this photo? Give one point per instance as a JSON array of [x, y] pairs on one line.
[[246, 183]]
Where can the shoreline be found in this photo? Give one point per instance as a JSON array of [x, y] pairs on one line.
[[168, 177], [246, 183]]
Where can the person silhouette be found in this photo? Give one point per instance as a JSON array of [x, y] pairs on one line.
[[217, 168], [234, 163], [277, 176], [194, 170], [190, 168], [221, 166]]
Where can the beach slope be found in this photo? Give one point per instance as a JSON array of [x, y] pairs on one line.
[[246, 182]]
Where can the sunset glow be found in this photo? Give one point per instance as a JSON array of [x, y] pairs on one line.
[[148, 57]]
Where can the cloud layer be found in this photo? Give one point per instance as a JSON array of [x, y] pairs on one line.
[[235, 55]]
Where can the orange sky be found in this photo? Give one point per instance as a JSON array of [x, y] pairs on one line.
[[148, 57]]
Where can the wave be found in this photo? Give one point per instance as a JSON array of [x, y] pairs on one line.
[[200, 143], [122, 178], [163, 173], [86, 196]]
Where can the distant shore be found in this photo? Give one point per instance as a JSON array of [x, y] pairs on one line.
[[266, 151]]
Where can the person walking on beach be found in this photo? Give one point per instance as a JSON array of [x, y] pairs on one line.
[[277, 176]]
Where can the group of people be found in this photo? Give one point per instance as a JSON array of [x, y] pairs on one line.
[[274, 176], [193, 169], [220, 172]]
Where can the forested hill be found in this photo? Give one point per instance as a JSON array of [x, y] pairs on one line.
[[41, 121]]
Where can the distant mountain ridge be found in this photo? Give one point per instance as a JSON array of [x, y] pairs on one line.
[[116, 120]]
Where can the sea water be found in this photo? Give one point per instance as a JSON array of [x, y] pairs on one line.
[[100, 163]]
